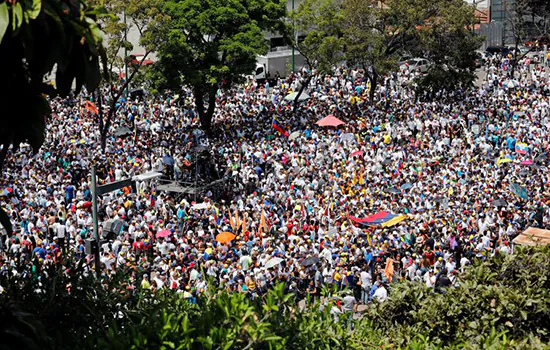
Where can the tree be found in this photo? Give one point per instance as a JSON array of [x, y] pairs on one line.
[[528, 20], [209, 45], [37, 38], [449, 43], [319, 22], [130, 14], [535, 14], [375, 33]]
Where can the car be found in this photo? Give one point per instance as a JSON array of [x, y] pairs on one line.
[[481, 58], [494, 50], [417, 64]]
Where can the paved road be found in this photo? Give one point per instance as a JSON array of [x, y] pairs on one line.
[[481, 75]]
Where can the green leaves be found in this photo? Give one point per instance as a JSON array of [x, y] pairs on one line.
[[320, 20], [490, 309], [209, 45], [373, 37], [4, 19], [34, 10], [16, 16], [35, 37]]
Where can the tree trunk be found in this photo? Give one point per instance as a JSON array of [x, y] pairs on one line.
[[3, 154], [104, 126], [514, 61], [305, 84], [205, 116], [373, 84]]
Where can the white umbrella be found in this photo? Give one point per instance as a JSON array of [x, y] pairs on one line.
[[273, 262], [294, 135], [347, 137], [512, 84], [291, 97]]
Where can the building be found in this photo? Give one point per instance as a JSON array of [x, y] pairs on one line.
[[505, 13], [499, 12]]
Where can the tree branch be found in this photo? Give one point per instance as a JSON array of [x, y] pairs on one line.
[[111, 112]]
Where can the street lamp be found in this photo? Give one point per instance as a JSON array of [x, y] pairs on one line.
[[110, 187]]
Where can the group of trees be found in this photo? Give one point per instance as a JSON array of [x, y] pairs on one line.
[[210, 45], [373, 35], [527, 19], [500, 304]]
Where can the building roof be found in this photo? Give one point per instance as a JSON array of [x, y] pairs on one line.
[[533, 236], [482, 14]]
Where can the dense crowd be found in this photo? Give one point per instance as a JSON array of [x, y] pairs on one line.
[[468, 173]]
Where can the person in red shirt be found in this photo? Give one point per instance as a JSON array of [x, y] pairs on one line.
[[430, 255], [138, 246]]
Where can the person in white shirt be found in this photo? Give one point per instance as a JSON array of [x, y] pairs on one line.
[[381, 294], [428, 279], [327, 274], [60, 233], [505, 248], [366, 284]]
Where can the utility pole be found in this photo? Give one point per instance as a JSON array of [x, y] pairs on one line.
[[94, 217], [125, 54], [293, 59]]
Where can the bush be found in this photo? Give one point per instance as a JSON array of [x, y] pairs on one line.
[[508, 295], [500, 304]]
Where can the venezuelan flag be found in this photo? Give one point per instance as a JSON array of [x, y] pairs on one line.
[[278, 127], [522, 148], [382, 219]]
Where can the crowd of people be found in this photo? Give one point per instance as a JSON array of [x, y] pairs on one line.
[[467, 175]]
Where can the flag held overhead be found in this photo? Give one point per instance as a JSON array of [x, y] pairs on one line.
[[90, 106]]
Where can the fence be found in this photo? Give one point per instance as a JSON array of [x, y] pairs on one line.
[[493, 33]]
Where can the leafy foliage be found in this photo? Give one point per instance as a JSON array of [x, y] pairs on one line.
[[372, 35], [318, 21], [133, 14], [501, 304], [449, 42], [508, 295], [72, 306], [376, 35], [142, 15], [37, 38], [321, 45]]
